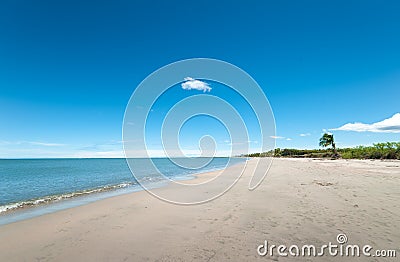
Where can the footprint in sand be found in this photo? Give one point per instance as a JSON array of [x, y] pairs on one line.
[[322, 183]]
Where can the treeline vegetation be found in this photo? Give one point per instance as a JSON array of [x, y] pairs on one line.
[[389, 150]]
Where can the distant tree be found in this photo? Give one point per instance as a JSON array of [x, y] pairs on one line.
[[328, 140]]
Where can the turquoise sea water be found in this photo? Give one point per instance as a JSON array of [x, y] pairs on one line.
[[30, 182]]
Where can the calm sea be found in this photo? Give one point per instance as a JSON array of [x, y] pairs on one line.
[[30, 182]]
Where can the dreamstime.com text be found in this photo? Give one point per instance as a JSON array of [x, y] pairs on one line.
[[341, 248]]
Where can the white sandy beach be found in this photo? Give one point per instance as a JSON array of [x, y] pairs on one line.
[[302, 201]]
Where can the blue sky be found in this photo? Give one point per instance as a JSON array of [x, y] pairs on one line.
[[68, 68]]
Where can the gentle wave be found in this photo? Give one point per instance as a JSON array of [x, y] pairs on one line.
[[55, 198], [20, 174]]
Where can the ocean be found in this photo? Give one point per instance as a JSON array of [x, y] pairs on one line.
[[35, 182]]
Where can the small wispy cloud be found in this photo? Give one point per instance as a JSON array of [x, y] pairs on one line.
[[191, 83], [242, 143], [306, 134], [44, 144], [288, 139], [389, 125], [277, 137], [34, 143], [99, 154]]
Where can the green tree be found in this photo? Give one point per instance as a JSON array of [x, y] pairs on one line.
[[328, 140]]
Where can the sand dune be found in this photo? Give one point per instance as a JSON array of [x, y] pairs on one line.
[[302, 201]]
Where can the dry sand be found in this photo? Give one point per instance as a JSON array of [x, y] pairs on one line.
[[302, 201]]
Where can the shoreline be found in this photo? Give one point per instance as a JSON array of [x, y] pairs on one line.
[[27, 209], [88, 196], [45, 200], [301, 201]]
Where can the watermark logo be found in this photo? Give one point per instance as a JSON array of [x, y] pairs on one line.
[[340, 248], [341, 238], [166, 103]]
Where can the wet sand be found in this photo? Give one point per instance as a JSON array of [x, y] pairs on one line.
[[301, 202]]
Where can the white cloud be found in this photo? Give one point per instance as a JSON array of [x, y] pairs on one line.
[[99, 154], [191, 83], [288, 139], [307, 134], [277, 137], [241, 143], [45, 144], [390, 125], [34, 143]]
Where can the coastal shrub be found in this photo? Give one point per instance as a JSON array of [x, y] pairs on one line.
[[388, 150]]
